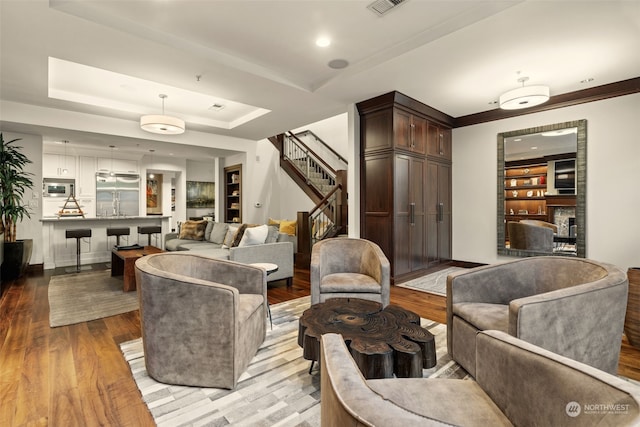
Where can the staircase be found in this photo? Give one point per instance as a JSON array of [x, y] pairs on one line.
[[322, 183]]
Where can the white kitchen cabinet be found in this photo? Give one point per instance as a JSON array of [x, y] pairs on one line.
[[117, 165], [53, 166], [86, 183]]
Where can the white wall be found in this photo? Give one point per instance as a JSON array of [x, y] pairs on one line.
[[280, 197], [31, 228], [613, 181]]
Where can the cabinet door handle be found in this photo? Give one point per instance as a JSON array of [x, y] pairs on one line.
[[412, 213], [441, 144], [440, 212], [413, 135]]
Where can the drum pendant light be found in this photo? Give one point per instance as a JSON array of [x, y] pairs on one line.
[[524, 97], [161, 124]]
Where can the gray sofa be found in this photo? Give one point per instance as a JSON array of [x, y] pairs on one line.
[[516, 383], [210, 241], [202, 319], [571, 306]]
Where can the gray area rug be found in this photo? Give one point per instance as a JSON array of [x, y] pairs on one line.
[[276, 390], [434, 283], [81, 297]]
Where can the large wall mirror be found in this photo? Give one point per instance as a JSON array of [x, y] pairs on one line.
[[542, 190]]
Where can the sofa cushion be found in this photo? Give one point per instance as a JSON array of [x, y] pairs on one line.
[[349, 282], [484, 316], [254, 236], [457, 403], [192, 230], [218, 232], [207, 230], [175, 244], [212, 251], [188, 245]]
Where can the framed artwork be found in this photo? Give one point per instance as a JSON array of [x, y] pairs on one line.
[[201, 194], [152, 193]]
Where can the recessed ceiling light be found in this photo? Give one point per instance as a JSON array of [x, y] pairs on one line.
[[323, 41], [216, 107], [338, 64]]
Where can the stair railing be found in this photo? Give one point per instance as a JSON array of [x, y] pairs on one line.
[[324, 147], [315, 170]]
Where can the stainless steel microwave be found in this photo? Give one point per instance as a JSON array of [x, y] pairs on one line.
[[52, 187]]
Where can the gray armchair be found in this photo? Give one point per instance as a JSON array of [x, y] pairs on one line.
[[203, 319], [571, 306], [540, 223], [517, 383], [343, 267], [530, 237]]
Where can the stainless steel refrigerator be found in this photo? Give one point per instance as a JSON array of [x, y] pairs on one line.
[[117, 195]]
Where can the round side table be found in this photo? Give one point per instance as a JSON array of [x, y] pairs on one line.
[[269, 268]]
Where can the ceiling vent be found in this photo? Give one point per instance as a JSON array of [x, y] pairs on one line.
[[381, 7]]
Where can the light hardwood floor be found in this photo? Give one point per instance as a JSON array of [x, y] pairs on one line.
[[76, 376]]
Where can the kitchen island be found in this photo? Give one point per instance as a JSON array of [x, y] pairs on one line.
[[58, 251]]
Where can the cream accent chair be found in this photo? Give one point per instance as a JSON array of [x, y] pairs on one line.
[[344, 267], [517, 383], [530, 237], [571, 306], [203, 319]]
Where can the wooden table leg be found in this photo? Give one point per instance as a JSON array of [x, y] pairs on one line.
[[129, 278], [117, 265]]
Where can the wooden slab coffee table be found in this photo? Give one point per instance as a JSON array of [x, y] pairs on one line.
[[123, 263], [383, 342]]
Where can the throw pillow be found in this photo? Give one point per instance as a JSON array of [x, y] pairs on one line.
[[192, 230], [288, 227], [218, 232], [238, 235], [232, 229], [272, 236], [273, 222], [233, 236], [254, 236]]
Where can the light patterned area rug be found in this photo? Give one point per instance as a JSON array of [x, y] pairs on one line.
[[82, 297], [434, 283], [276, 390]]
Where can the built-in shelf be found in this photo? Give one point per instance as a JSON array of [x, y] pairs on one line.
[[233, 194]]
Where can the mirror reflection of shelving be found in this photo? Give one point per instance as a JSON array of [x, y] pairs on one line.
[[233, 194]]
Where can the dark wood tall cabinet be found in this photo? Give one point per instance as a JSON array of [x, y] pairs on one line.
[[406, 182]]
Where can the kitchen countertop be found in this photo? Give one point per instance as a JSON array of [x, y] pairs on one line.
[[101, 218]]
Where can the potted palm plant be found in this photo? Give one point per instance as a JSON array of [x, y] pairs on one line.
[[14, 181]]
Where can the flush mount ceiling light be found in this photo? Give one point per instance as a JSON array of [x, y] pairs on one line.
[[164, 125], [524, 97]]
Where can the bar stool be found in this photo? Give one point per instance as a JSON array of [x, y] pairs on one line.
[[149, 230], [77, 234], [117, 231]]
